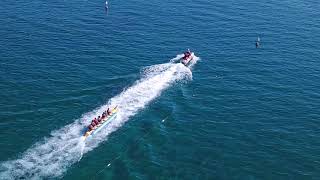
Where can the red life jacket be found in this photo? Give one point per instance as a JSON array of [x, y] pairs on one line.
[[96, 122]]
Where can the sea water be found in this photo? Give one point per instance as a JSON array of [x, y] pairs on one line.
[[238, 113]]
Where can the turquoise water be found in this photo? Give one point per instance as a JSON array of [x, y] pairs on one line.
[[239, 113]]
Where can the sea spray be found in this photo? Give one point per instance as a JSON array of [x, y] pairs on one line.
[[82, 144], [177, 58], [52, 156]]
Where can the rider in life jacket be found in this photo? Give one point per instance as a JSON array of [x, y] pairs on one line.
[[109, 111], [93, 124], [96, 121], [99, 119], [90, 127]]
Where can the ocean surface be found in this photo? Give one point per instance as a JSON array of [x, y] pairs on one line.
[[237, 113]]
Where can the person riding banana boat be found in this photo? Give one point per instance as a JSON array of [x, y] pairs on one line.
[[100, 121]]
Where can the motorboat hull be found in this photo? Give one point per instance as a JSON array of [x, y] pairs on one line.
[[187, 61]]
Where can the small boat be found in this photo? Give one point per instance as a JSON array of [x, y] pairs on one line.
[[187, 58], [102, 123]]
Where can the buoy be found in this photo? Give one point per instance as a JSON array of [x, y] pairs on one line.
[[107, 5], [258, 42]]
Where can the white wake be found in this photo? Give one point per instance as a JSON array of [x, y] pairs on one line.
[[51, 157]]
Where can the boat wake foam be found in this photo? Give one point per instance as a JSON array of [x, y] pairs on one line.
[[52, 156]]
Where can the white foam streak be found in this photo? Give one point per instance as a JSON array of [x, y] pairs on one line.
[[177, 58], [51, 157]]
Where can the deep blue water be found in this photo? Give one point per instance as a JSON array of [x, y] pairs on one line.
[[244, 113]]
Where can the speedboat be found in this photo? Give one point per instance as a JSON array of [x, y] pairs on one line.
[[187, 58], [102, 123]]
